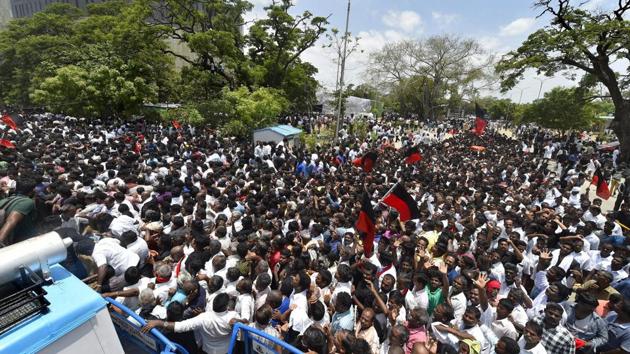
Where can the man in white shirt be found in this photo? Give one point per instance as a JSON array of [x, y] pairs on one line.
[[112, 261], [212, 329]]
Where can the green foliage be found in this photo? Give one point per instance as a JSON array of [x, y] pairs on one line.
[[103, 62], [252, 110], [496, 108], [96, 92], [409, 96], [364, 91], [560, 108], [360, 128], [275, 45], [185, 114], [428, 76]]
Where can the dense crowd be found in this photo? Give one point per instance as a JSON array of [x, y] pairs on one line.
[[511, 253]]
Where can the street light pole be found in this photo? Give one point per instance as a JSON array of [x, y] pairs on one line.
[[541, 86], [520, 99], [343, 68]]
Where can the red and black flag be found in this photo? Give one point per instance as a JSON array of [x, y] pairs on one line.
[[412, 155], [600, 182], [6, 119], [399, 199], [367, 161], [366, 225], [177, 125], [7, 144], [480, 120]]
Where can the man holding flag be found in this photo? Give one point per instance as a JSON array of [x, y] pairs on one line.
[[367, 161], [599, 181], [366, 224], [399, 199], [480, 120], [8, 121], [412, 155]]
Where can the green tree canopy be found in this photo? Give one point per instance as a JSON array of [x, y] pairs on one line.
[[560, 108], [105, 61], [578, 41]]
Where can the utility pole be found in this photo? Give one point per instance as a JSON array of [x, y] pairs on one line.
[[343, 68]]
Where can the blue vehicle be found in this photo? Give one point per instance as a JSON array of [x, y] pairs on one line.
[[46, 309]]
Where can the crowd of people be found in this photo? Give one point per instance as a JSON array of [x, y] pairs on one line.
[[511, 252]]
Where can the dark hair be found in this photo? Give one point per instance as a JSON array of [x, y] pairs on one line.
[[554, 306], [511, 346], [220, 303], [263, 315], [507, 304], [344, 300], [244, 286], [127, 238], [233, 274], [314, 339], [175, 312], [344, 273], [263, 280], [587, 299], [475, 311], [535, 326], [215, 283], [132, 275], [361, 346], [25, 185], [316, 311], [305, 280], [326, 275]]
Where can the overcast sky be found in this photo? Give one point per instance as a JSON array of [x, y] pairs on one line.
[[499, 25]]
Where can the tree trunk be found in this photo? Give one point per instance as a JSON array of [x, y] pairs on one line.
[[621, 127]]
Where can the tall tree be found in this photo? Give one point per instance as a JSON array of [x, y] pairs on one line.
[[103, 61], [275, 46], [579, 41], [210, 29], [561, 108], [450, 62]]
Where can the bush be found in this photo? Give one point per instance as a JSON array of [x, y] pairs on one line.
[[184, 114]]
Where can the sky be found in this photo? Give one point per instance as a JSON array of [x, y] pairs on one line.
[[498, 25]]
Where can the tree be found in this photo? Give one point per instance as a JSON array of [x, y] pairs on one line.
[[32, 48], [251, 110], [451, 63], [102, 62], [579, 41], [275, 45], [209, 29], [364, 91], [560, 108], [409, 96]]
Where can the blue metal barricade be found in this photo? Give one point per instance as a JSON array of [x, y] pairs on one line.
[[254, 344], [133, 340]]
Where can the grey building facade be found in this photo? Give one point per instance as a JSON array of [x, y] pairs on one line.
[[27, 8]]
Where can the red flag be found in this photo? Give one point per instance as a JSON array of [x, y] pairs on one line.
[[412, 155], [399, 199], [366, 225], [600, 182], [176, 124], [367, 161], [7, 144], [6, 119], [480, 120]]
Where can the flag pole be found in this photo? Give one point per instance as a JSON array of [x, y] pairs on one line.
[[389, 191]]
